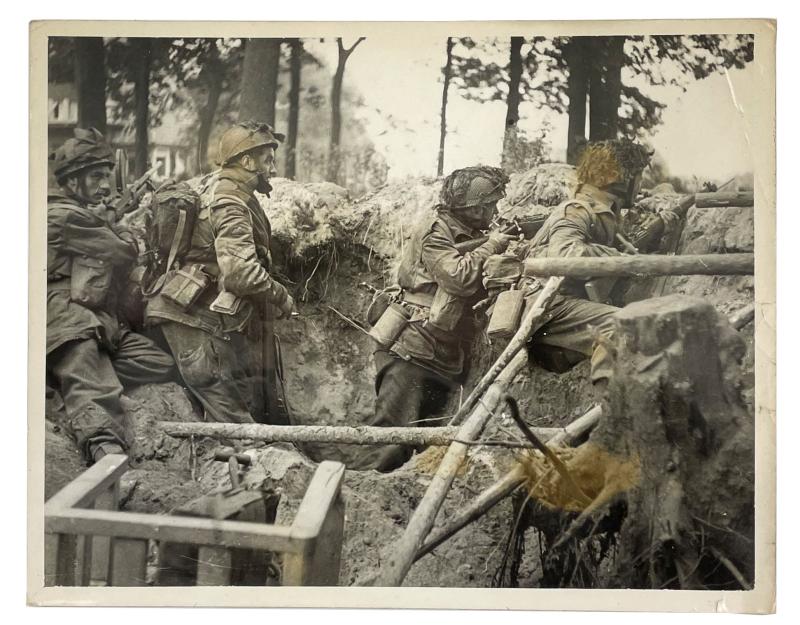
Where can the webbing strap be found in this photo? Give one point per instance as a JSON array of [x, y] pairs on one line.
[[173, 252], [176, 239]]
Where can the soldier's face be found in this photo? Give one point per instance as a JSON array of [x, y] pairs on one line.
[[480, 216], [92, 185], [261, 162], [626, 192]]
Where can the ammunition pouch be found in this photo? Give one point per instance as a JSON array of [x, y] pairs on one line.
[[90, 281], [446, 310], [501, 271], [599, 289], [226, 303], [185, 286]]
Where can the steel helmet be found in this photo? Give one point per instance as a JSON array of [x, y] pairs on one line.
[[602, 163], [472, 186], [246, 136], [86, 149]]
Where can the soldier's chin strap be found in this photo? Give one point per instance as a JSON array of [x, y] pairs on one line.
[[262, 181]]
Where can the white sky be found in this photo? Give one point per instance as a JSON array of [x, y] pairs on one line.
[[702, 134]]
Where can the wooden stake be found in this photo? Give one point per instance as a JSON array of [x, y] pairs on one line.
[[516, 343], [641, 265], [403, 554], [743, 316], [507, 484], [344, 435]]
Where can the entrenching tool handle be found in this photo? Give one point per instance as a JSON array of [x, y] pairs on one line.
[[234, 460], [225, 456]]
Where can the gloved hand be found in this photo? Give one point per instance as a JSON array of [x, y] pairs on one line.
[[287, 308]]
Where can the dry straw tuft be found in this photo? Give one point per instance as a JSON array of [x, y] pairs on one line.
[[599, 474]]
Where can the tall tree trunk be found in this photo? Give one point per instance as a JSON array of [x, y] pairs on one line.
[[605, 87], [512, 112], [447, 71], [295, 69], [336, 123], [214, 79], [336, 110], [90, 82], [576, 55], [260, 80], [143, 56]]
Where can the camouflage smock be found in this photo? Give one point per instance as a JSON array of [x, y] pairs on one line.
[[80, 239], [443, 284], [231, 241], [583, 226]]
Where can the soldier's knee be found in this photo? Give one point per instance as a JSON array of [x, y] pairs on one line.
[[163, 362], [606, 327], [199, 365]]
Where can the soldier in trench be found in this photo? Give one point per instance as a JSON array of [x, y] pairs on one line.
[[92, 354], [438, 286], [578, 323], [222, 338]]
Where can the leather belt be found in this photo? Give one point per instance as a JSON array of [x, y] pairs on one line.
[[424, 300]]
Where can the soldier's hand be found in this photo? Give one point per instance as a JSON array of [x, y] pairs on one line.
[[501, 240], [287, 308]]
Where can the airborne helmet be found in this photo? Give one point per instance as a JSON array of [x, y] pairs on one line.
[[472, 186], [87, 148], [603, 163], [246, 136]]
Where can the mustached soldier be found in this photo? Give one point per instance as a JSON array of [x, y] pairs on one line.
[[217, 338], [91, 353], [439, 284]]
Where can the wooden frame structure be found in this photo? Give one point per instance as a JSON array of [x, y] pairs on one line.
[[88, 542]]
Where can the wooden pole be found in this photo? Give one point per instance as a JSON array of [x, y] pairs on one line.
[[641, 265], [507, 484], [402, 555], [516, 343], [724, 198], [743, 316], [345, 435], [487, 500]]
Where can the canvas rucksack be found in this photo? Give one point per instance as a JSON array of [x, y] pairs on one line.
[[168, 231]]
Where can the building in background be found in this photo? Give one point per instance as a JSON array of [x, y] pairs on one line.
[[168, 146]]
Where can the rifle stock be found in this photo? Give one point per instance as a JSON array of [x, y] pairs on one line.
[[129, 200], [527, 227]]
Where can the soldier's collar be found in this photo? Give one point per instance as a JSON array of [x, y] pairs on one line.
[[58, 195], [601, 201], [456, 226], [240, 176]]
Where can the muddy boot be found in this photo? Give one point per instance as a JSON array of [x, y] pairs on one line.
[[384, 459], [101, 449]]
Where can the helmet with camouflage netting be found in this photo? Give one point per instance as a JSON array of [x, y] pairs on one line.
[[87, 148], [473, 186], [604, 163]]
